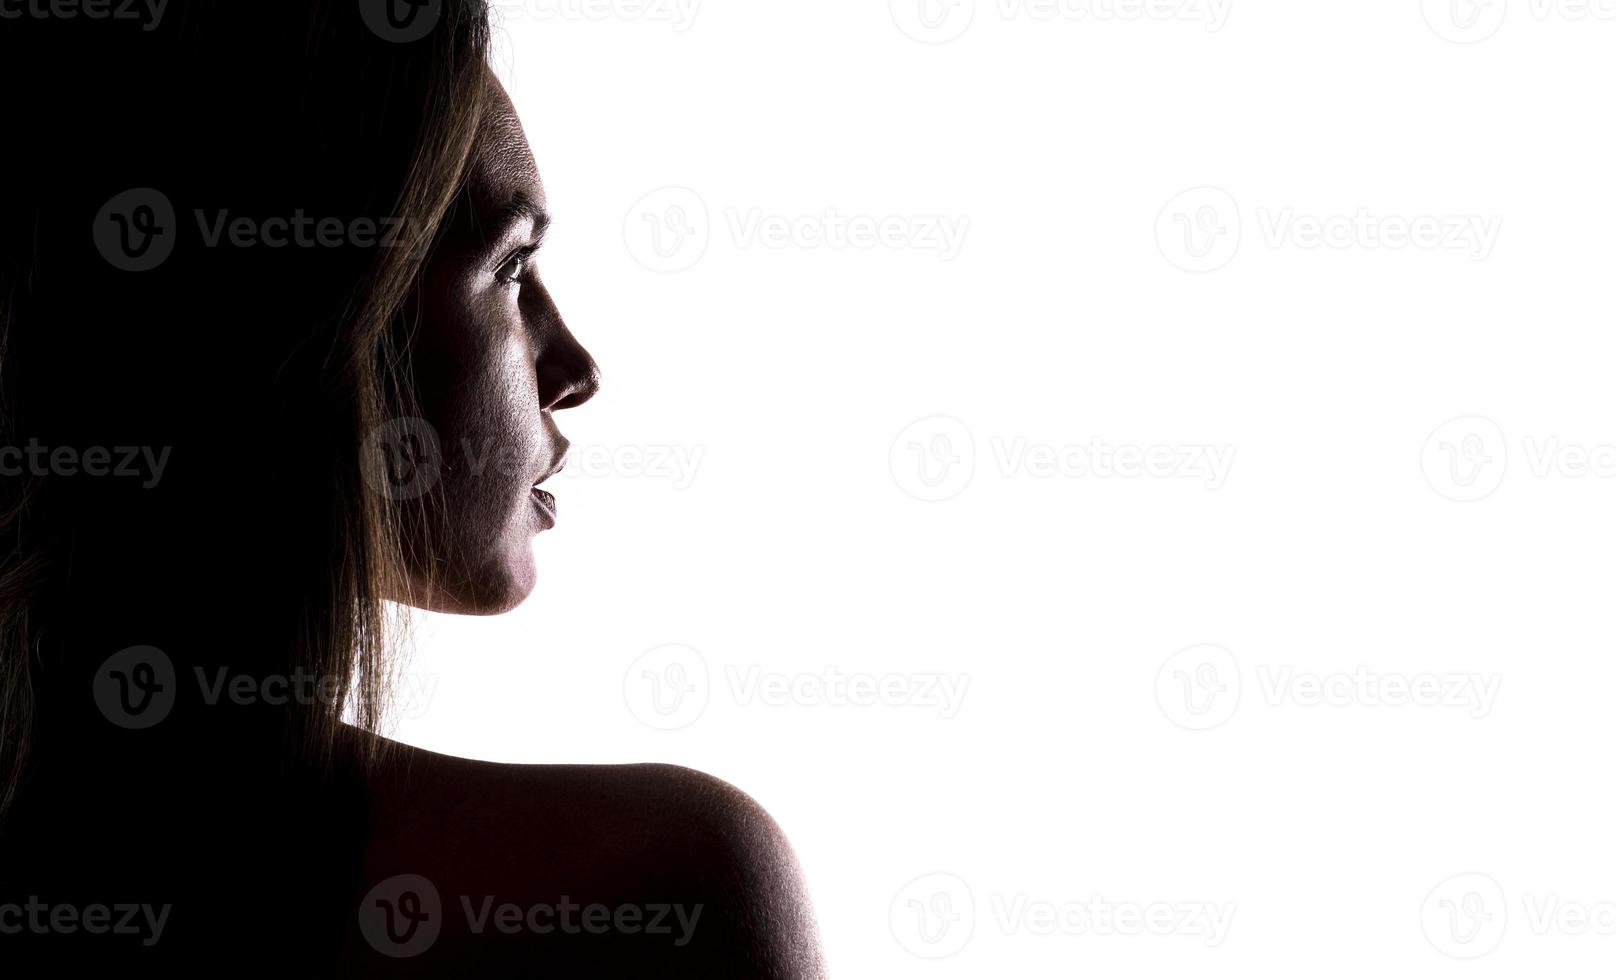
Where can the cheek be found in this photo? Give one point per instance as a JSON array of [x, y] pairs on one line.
[[492, 436], [479, 391]]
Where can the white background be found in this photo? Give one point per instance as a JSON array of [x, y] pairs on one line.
[[1357, 532]]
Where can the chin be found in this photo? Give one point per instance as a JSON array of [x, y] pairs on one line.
[[509, 583], [498, 586]]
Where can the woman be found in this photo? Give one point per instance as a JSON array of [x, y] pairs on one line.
[[264, 270]]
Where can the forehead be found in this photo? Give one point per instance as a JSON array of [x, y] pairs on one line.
[[502, 165]]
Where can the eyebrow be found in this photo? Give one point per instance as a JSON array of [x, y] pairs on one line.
[[521, 207]]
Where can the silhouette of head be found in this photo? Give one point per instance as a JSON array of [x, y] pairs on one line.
[[283, 252]]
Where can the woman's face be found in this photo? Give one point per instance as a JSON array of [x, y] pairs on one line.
[[493, 362]]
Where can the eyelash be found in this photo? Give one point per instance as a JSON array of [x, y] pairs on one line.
[[521, 256]]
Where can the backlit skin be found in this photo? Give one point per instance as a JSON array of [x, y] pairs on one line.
[[494, 361]]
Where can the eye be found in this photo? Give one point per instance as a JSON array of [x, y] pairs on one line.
[[515, 267]]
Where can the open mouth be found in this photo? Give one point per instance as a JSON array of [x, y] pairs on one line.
[[545, 503], [543, 499]]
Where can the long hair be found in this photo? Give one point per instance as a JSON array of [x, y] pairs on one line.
[[210, 231]]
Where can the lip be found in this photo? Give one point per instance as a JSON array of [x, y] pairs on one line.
[[552, 471], [545, 503], [543, 500]]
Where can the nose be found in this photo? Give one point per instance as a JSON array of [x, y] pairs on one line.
[[567, 375]]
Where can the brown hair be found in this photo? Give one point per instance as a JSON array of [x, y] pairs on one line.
[[261, 370]]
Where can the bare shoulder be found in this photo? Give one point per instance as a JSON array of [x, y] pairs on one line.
[[645, 869]]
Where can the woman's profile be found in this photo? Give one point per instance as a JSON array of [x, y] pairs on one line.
[[264, 269]]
